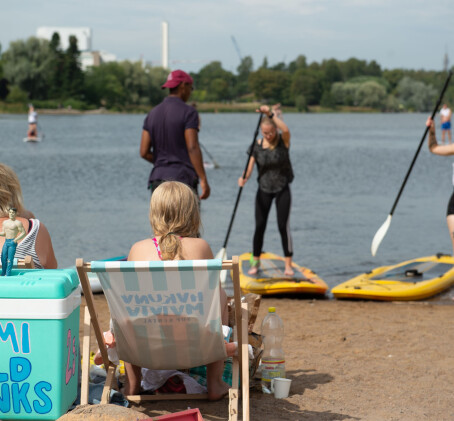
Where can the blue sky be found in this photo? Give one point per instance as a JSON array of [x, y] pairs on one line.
[[396, 33]]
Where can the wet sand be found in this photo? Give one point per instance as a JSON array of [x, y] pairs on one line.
[[349, 361]]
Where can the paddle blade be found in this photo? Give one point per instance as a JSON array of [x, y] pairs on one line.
[[379, 235], [222, 254]]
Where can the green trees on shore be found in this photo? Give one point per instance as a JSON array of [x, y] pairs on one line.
[[40, 71]]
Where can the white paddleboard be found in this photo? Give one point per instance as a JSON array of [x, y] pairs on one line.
[[32, 139], [94, 283]]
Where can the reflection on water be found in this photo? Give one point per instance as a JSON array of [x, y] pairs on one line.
[[87, 183]]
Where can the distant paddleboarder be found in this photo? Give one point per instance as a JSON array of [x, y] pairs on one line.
[[32, 122]]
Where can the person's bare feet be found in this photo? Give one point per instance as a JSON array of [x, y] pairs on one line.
[[289, 271], [288, 266], [131, 389], [253, 270], [217, 390], [255, 265]]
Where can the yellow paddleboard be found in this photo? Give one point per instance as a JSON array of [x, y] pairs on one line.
[[270, 278], [411, 280]]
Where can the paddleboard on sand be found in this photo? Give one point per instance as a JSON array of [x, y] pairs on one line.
[[32, 139], [410, 280], [270, 278]]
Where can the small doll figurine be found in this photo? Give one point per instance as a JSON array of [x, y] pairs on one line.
[[14, 231]]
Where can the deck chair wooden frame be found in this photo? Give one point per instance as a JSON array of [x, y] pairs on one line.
[[25, 263], [240, 366]]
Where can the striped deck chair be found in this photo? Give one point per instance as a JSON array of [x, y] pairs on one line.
[[166, 315]]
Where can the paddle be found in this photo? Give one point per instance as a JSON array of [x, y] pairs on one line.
[[380, 234], [222, 254], [41, 130], [216, 165]]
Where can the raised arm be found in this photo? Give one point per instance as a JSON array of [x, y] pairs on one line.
[[282, 127]]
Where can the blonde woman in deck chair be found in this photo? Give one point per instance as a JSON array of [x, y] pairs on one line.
[[175, 221]]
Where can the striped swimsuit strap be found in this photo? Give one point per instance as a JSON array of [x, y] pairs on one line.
[[27, 246], [158, 249], [156, 244]]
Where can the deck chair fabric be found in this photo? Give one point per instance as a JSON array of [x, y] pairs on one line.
[[162, 311], [166, 315]]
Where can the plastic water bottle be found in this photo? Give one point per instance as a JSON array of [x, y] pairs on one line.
[[273, 359]]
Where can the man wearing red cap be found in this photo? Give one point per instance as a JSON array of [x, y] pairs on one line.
[[170, 138]]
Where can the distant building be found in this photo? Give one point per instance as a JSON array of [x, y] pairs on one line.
[[88, 57], [95, 58], [83, 35]]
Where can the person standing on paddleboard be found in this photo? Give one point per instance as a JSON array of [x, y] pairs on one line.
[[443, 150], [170, 138], [275, 173], [32, 122]]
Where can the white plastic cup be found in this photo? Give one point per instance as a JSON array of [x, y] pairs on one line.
[[280, 387]]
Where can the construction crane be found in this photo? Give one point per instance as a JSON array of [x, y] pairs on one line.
[[446, 60], [235, 44]]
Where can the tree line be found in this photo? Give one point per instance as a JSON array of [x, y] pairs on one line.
[[41, 71]]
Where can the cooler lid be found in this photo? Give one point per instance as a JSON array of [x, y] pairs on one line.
[[39, 283]]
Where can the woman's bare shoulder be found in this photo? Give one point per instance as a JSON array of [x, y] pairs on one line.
[[142, 250], [27, 214], [142, 243], [196, 248]]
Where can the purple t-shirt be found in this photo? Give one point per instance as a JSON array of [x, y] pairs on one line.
[[166, 124]]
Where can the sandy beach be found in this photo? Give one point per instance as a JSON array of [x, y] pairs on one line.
[[349, 360]]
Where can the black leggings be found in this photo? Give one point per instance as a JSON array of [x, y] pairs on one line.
[[263, 203], [450, 210]]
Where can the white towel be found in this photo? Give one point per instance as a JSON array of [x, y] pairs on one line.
[[154, 379]]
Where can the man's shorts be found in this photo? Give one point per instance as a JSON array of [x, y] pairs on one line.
[[446, 125]]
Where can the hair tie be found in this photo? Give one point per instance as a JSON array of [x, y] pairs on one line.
[[169, 233]]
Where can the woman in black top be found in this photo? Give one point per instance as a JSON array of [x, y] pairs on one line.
[[271, 154]]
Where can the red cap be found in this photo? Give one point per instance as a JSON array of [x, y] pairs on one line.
[[175, 78]]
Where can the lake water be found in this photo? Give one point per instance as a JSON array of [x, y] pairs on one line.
[[87, 183]]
